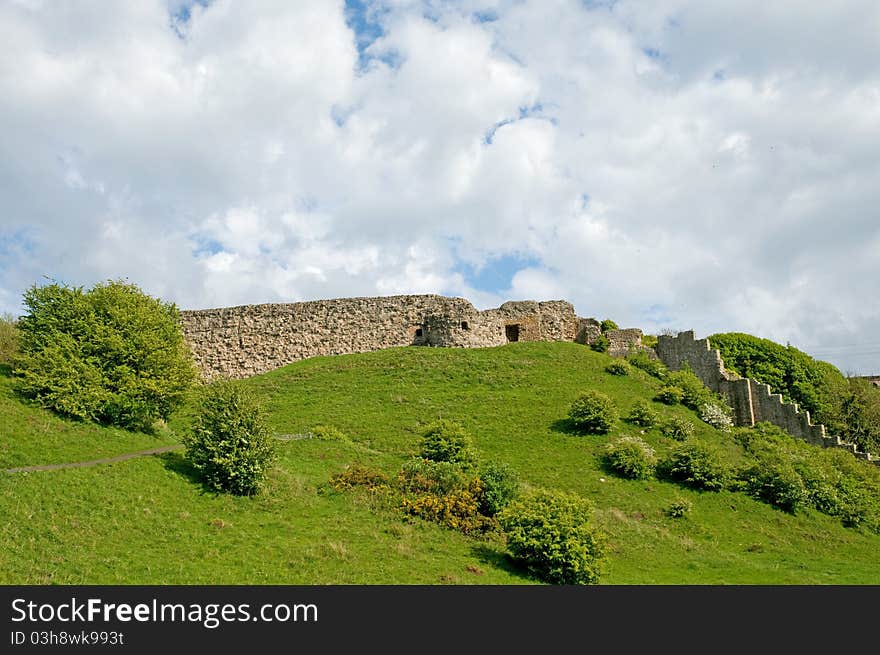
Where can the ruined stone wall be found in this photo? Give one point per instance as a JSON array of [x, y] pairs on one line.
[[752, 401], [250, 339]]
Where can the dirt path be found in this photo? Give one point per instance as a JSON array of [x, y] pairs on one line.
[[94, 462]]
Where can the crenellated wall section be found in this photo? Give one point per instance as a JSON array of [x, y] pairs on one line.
[[752, 401]]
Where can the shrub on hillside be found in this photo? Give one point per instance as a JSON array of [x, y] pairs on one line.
[[500, 485], [552, 535], [111, 354], [593, 412], [8, 339], [631, 458], [448, 441], [229, 441], [678, 428], [458, 509], [717, 415], [669, 395], [617, 368], [608, 324], [694, 394], [653, 367], [358, 475], [600, 344], [643, 415], [695, 464], [678, 508], [419, 475], [775, 482]]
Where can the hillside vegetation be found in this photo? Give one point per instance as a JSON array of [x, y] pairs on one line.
[[849, 407], [153, 521]]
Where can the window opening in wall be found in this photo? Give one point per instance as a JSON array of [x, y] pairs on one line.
[[511, 332], [418, 332], [465, 325]]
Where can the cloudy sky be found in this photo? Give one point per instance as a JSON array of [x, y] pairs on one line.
[[672, 164]]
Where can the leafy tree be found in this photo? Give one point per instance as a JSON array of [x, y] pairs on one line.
[[111, 354]]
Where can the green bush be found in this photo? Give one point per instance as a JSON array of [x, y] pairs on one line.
[[678, 428], [775, 482], [229, 441], [551, 534], [8, 338], [669, 395], [600, 344], [833, 481], [608, 324], [643, 415], [111, 354], [593, 412], [697, 465], [328, 433], [617, 368], [448, 441], [678, 508], [631, 458], [419, 475], [694, 394], [653, 367], [500, 486]]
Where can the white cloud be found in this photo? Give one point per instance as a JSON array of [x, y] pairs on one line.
[[675, 163]]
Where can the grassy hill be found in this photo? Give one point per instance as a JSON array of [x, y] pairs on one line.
[[150, 521]]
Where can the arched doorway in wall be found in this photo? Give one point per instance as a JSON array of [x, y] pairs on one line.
[[511, 331]]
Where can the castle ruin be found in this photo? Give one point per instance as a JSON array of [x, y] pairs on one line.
[[247, 340]]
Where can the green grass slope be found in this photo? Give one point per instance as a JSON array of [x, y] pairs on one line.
[[149, 520]]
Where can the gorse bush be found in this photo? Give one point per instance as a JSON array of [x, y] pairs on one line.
[[458, 509], [617, 368], [643, 415], [697, 465], [358, 475], [551, 533], [593, 412], [111, 354], [678, 428], [229, 441], [500, 485], [631, 458], [448, 441]]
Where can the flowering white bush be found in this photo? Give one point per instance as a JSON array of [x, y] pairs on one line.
[[717, 416]]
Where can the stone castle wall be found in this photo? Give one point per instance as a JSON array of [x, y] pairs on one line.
[[752, 401], [250, 339]]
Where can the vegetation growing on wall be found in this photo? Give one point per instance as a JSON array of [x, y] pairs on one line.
[[849, 407]]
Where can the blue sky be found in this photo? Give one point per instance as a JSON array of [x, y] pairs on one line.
[[669, 165]]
